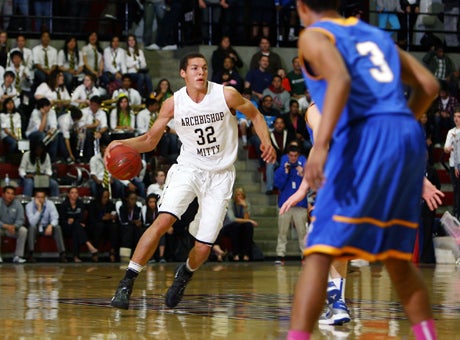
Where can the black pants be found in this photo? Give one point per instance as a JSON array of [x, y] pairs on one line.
[[241, 235], [78, 234]]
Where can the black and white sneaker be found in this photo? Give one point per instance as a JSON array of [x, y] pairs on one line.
[[121, 297], [176, 291]]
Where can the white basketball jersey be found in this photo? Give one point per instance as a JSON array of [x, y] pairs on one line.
[[208, 130]]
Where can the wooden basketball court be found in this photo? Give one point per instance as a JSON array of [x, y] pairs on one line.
[[223, 301]]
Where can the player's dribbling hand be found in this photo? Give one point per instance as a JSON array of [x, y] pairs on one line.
[[314, 167], [268, 153]]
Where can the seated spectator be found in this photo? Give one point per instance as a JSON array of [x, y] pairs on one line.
[[72, 214], [288, 177], [114, 65], [8, 90], [280, 96], [122, 117], [149, 214], [440, 64], [92, 57], [26, 53], [22, 74], [284, 80], [102, 223], [43, 220], [96, 124], [163, 91], [274, 60], [239, 226], [12, 222], [70, 63], [223, 51], [55, 91], [137, 67], [131, 225], [126, 89], [296, 80], [228, 75], [101, 178], [10, 121], [147, 116], [243, 122], [35, 169], [43, 127], [85, 91], [73, 136], [157, 187], [258, 79], [445, 107], [45, 59], [268, 111]]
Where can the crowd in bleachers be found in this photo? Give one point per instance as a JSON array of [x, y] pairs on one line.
[[61, 106]]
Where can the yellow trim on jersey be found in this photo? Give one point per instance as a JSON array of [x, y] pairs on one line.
[[349, 253], [350, 21], [378, 223]]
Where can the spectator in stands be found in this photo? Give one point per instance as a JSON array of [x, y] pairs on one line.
[[445, 106], [12, 222], [163, 91], [224, 50], [211, 11], [96, 124], [22, 74], [169, 145], [284, 80], [262, 15], [122, 116], [296, 123], [280, 96], [259, 79], [411, 9], [45, 59], [102, 223], [73, 136], [239, 226], [27, 55], [157, 187], [288, 19], [173, 12], [43, 220], [131, 225], [288, 177], [7, 89], [452, 147], [428, 130], [268, 111], [147, 116], [101, 178], [388, 14], [149, 214], [274, 60], [4, 49], [84, 92], [296, 80], [11, 124], [244, 123], [126, 89], [137, 67], [55, 91], [114, 64], [92, 56], [233, 24], [136, 184], [440, 64], [72, 214], [451, 15], [281, 138], [43, 127], [42, 10], [229, 76], [35, 170], [70, 63], [153, 9]]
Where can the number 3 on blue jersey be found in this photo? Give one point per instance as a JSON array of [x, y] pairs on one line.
[[381, 72]]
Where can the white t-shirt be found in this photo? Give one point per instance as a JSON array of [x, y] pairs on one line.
[[453, 139]]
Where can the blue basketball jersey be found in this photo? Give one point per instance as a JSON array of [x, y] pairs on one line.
[[373, 62]]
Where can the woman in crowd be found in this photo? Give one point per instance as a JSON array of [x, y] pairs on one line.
[[122, 116], [131, 226], [70, 62], [163, 91], [92, 56], [10, 121], [137, 67]]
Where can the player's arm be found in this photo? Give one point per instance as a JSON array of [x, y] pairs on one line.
[[424, 85], [326, 62], [236, 101], [148, 141], [431, 194]]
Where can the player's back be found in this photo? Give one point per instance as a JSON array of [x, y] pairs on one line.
[[372, 60]]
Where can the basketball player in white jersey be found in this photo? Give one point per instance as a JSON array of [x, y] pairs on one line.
[[205, 122]]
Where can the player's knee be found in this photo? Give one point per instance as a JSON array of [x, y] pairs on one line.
[[202, 248]]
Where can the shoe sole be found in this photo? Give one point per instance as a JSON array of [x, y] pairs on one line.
[[119, 305]]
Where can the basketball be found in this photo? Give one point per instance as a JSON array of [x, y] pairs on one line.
[[123, 162]]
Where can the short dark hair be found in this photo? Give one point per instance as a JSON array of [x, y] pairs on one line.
[[42, 102], [96, 99], [150, 101], [184, 61], [75, 113], [9, 73], [15, 53], [8, 187], [293, 148]]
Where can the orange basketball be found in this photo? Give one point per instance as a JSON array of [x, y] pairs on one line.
[[123, 162]]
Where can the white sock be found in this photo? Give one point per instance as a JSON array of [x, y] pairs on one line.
[[340, 283], [187, 265], [135, 267]]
